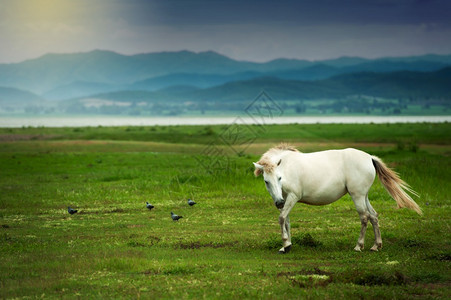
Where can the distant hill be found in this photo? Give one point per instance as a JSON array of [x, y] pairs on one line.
[[60, 75], [401, 84], [386, 65], [344, 61], [314, 72], [79, 89], [171, 83], [398, 84], [192, 79], [199, 80], [178, 89], [12, 96], [50, 71], [278, 89], [444, 59], [391, 85]]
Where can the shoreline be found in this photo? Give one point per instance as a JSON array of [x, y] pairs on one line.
[[111, 121]]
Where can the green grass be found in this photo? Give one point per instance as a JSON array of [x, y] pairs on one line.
[[226, 245], [379, 133]]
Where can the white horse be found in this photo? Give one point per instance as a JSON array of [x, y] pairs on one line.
[[321, 178]]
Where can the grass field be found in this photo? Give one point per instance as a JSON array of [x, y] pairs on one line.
[[226, 245]]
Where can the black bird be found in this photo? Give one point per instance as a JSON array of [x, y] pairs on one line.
[[149, 206], [71, 211], [191, 202], [175, 217]]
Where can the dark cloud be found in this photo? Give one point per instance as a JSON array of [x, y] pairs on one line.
[[202, 12], [249, 30]]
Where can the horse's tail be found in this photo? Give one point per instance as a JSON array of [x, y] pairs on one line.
[[395, 186]]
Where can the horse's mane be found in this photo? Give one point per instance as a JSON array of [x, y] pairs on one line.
[[265, 160]]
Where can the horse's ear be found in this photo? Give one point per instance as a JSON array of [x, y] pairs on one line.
[[279, 162], [258, 169]]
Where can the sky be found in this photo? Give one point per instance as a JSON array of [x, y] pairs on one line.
[[244, 30]]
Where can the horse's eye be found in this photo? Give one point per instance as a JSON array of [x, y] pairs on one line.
[[266, 182], [280, 178]]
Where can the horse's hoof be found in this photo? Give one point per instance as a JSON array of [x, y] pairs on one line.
[[358, 249], [375, 248], [287, 249]]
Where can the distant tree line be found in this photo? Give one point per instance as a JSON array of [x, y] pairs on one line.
[[358, 104]]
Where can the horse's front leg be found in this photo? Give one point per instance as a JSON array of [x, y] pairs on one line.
[[288, 240], [284, 222]]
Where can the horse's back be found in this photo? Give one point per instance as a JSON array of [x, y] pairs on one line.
[[327, 175], [319, 176], [337, 160]]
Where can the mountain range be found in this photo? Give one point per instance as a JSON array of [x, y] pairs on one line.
[[385, 85], [209, 76]]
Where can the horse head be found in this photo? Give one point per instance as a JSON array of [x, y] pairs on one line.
[[273, 180]]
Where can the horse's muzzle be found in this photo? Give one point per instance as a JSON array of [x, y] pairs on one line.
[[279, 203]]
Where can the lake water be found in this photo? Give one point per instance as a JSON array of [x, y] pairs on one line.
[[75, 121]]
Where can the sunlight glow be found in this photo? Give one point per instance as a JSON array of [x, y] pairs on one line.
[[44, 10]]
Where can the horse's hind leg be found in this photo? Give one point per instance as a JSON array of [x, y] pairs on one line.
[[377, 233], [375, 222], [361, 241], [359, 202]]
